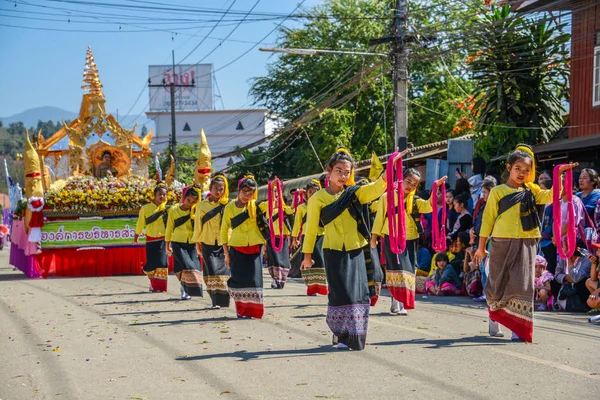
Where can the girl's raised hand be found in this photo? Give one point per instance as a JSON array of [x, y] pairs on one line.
[[441, 181], [401, 154], [567, 167]]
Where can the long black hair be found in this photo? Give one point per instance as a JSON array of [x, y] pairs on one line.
[[479, 166]]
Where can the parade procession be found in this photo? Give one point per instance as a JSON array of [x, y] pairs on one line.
[[423, 222]]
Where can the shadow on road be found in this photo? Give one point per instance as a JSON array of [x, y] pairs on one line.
[[109, 294], [443, 343], [244, 355], [188, 321]]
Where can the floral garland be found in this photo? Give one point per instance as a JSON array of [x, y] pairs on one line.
[[86, 193]]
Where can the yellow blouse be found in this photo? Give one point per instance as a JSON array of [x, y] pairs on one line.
[[183, 233], [380, 226], [342, 233], [246, 234], [508, 224], [264, 208], [300, 213], [211, 232], [156, 229]]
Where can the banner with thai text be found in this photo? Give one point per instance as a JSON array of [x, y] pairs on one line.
[[89, 233]]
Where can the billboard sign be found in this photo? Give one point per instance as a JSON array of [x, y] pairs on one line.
[[194, 98]]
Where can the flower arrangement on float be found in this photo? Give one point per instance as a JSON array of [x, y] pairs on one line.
[[88, 194]]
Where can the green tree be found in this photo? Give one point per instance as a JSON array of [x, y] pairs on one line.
[[144, 131], [521, 68], [295, 84]]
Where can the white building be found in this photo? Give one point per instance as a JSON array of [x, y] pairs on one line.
[[225, 130]]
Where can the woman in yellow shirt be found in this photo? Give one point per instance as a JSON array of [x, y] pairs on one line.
[[242, 240], [207, 236], [511, 219], [152, 219], [314, 277], [279, 262], [339, 209], [178, 237], [400, 268]]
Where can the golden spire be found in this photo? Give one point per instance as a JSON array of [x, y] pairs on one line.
[[91, 80], [203, 164]]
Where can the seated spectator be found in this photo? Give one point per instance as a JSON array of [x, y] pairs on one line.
[[424, 258], [592, 283], [420, 281], [472, 275], [589, 194], [458, 248], [461, 187], [451, 214], [572, 275], [464, 222], [444, 282], [541, 284]]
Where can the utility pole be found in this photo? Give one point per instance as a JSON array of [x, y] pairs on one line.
[[175, 83], [399, 37], [400, 60]]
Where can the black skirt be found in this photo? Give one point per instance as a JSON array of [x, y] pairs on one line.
[[187, 267], [348, 308], [246, 283], [156, 255], [216, 274], [279, 261]]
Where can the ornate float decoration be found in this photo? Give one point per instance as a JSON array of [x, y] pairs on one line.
[[77, 148]]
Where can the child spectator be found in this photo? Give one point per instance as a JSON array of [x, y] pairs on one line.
[[459, 248], [592, 283], [541, 284], [464, 222], [572, 274], [445, 281], [472, 275], [424, 258]]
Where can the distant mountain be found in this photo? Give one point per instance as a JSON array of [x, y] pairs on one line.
[[31, 117]]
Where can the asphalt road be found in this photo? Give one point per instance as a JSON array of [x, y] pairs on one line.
[[108, 338]]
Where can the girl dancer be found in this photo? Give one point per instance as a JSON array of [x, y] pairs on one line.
[[314, 277], [152, 219], [339, 209], [243, 250], [400, 268], [207, 236], [178, 237], [511, 219]]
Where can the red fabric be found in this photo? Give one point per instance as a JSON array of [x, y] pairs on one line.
[[317, 289], [374, 300], [247, 309], [204, 170], [404, 296], [522, 327], [248, 249], [159, 285], [102, 262], [37, 219]]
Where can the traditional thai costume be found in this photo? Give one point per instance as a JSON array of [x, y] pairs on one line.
[[511, 219], [153, 219], [278, 261], [207, 232], [180, 231], [344, 219], [246, 281], [400, 268]]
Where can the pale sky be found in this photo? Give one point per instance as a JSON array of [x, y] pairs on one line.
[[40, 66]]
